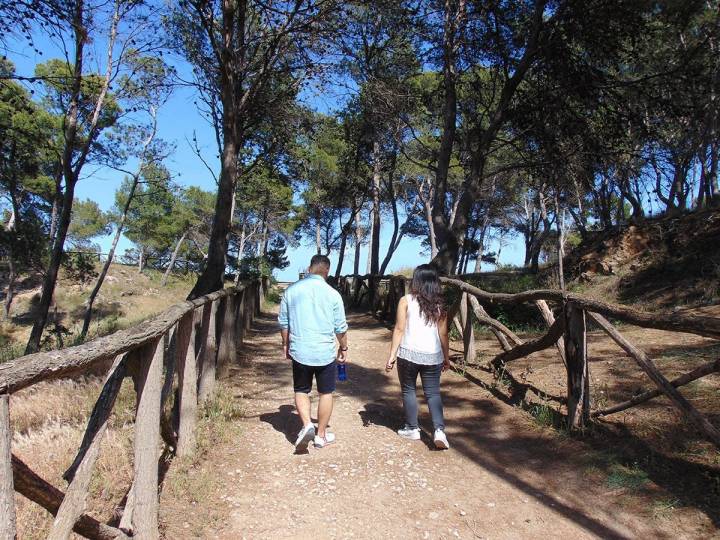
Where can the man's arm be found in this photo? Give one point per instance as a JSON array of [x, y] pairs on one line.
[[343, 347], [340, 329]]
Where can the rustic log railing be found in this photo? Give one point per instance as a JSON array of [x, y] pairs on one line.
[[567, 333], [190, 343]]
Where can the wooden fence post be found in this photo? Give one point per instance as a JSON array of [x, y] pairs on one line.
[[467, 329], [147, 442], [249, 302], [7, 492], [187, 385], [578, 381], [258, 298], [209, 357], [240, 319], [227, 352]]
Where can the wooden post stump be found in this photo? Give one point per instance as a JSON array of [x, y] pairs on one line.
[[187, 385], [225, 344], [7, 492], [240, 319], [468, 333], [147, 442], [206, 387], [578, 383]]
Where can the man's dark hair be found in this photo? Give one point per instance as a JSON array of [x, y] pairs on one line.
[[319, 260]]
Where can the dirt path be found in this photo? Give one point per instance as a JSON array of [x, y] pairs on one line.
[[504, 477]]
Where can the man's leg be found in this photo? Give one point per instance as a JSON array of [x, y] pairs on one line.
[[302, 383], [325, 407], [325, 378], [302, 404]]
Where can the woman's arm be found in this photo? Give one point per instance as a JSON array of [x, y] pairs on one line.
[[444, 341], [398, 331]]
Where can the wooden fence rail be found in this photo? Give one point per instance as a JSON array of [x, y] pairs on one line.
[[567, 332], [188, 345]]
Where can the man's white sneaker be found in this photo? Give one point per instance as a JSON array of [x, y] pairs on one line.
[[441, 440], [322, 442], [409, 433], [304, 437]]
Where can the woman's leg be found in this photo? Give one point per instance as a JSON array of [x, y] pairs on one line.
[[430, 376], [407, 373]]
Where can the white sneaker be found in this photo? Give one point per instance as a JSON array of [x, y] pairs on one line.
[[441, 440], [304, 437], [322, 442], [407, 432]]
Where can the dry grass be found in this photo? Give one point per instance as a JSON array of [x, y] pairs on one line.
[[49, 421], [126, 298], [190, 480], [47, 433]]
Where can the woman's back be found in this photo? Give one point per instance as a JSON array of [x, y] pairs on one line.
[[420, 342]]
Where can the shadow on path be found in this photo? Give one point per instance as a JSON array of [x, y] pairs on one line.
[[490, 433]]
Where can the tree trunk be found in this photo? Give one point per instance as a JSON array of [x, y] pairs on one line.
[[213, 274], [451, 18], [394, 239], [48, 287], [377, 176], [57, 203], [241, 251], [371, 236], [172, 259], [341, 253], [481, 245], [111, 254], [141, 260]]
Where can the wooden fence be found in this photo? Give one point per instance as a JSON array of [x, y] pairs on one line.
[[568, 333], [179, 353]]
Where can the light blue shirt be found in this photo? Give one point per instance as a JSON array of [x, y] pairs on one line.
[[313, 312]]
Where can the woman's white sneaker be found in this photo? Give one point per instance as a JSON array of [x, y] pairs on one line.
[[441, 440], [409, 433]]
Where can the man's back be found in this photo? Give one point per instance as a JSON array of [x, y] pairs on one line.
[[313, 312]]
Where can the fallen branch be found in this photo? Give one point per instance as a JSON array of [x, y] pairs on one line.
[[531, 346], [35, 488], [547, 314], [498, 328], [692, 324], [682, 380]]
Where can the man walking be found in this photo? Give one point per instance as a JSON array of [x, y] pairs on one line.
[[311, 316]]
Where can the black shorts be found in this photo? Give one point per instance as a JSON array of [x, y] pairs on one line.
[[324, 377]]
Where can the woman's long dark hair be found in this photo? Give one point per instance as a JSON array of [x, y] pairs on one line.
[[425, 287]]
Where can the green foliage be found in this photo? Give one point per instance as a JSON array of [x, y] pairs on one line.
[[88, 222], [80, 266]]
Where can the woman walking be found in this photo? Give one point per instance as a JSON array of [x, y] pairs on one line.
[[420, 346]]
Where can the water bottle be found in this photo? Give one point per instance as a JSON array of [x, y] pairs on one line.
[[342, 373]]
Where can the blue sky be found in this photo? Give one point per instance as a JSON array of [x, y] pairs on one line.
[[178, 119]]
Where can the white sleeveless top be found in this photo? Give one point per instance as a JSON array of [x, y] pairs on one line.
[[420, 342]]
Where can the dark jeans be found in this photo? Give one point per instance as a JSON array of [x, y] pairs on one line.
[[430, 377]]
